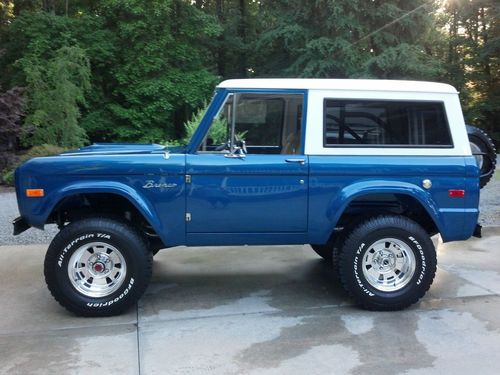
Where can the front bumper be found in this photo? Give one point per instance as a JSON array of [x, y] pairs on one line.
[[20, 225]]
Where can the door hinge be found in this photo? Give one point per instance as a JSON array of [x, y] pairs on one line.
[[188, 216], [188, 179]]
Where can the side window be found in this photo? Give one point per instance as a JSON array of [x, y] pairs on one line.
[[266, 123], [385, 123]]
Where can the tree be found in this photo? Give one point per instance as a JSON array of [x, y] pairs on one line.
[[234, 47], [472, 30], [153, 63], [346, 38], [6, 12], [11, 114], [56, 88], [159, 71]]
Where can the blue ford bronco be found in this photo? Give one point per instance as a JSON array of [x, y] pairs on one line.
[[365, 171]]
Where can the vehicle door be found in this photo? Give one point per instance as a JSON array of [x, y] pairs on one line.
[[249, 175]]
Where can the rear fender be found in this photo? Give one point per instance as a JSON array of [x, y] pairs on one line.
[[349, 193]]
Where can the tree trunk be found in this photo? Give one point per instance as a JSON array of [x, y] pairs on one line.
[[243, 35], [48, 6], [221, 55]]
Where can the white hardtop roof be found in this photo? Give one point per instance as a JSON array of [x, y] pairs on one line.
[[338, 84]]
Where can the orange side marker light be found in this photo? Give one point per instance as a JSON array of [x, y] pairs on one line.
[[35, 193]]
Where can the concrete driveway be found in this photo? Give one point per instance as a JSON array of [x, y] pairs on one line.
[[256, 310]]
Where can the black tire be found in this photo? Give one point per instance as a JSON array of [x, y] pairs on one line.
[[330, 251], [484, 149], [324, 251], [108, 242], [155, 245], [155, 251], [411, 244]]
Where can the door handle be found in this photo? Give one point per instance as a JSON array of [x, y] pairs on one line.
[[300, 161]]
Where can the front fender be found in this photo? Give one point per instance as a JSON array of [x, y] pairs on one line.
[[140, 202]]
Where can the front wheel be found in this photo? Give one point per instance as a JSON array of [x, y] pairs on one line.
[[330, 251], [387, 263], [324, 251], [98, 267]]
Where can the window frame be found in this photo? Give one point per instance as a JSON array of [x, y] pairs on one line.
[[219, 101], [281, 130], [386, 146]]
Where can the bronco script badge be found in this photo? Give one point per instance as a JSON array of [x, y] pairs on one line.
[[150, 184]]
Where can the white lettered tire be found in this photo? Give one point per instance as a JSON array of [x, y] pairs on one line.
[[98, 266], [387, 263]]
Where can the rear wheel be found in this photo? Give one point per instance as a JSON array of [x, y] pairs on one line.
[[484, 151], [387, 263], [98, 267]]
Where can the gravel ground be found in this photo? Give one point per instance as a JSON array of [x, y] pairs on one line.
[[489, 205], [8, 213]]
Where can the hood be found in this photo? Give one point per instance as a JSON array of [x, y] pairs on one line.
[[106, 160], [116, 149]]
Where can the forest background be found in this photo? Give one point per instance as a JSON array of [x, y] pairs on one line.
[[74, 72]]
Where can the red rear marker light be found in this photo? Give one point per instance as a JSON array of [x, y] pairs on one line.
[[35, 193], [456, 193]]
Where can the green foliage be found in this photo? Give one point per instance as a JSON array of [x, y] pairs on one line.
[[403, 61], [150, 64], [56, 88], [41, 151], [472, 54], [11, 114], [191, 125], [12, 107], [7, 176], [342, 39], [218, 129], [160, 69], [32, 34], [137, 70], [6, 12]]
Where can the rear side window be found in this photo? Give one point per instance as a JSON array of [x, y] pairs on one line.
[[380, 123]]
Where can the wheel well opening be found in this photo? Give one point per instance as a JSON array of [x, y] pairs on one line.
[[371, 205], [79, 206]]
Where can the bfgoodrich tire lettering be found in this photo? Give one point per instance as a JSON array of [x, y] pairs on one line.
[[404, 258], [98, 248]]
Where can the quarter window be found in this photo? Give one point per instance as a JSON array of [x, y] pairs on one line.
[[372, 123]]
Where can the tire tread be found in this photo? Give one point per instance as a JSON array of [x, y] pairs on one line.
[[482, 136], [113, 224], [373, 224]]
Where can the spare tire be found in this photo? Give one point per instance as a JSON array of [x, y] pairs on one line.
[[484, 151]]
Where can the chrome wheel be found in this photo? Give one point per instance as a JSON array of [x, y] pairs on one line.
[[388, 264], [97, 269]]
